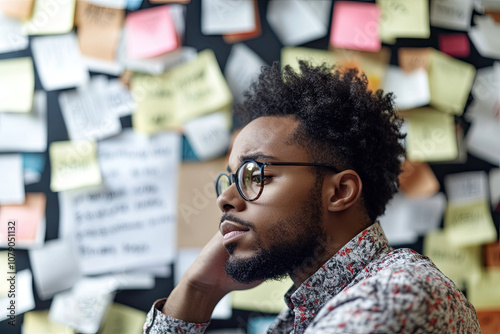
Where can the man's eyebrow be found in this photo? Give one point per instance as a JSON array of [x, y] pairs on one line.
[[254, 156]]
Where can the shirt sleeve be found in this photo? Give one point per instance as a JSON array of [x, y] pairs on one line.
[[159, 323]]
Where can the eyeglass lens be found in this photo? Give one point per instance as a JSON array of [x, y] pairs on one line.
[[250, 179]]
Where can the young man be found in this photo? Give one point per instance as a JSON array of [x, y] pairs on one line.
[[308, 177]]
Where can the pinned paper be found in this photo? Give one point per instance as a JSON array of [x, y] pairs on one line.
[[483, 139], [395, 224], [226, 16], [417, 179], [492, 254], [74, 165], [187, 91], [412, 59], [51, 17], [17, 84], [489, 321], [460, 264], [11, 179], [27, 219], [209, 135], [411, 90], [455, 45], [355, 26], [297, 21], [484, 35], [58, 61], [38, 322], [495, 188], [431, 135], [242, 67], [11, 36], [24, 300], [266, 297], [33, 138], [402, 18], [123, 319], [118, 99], [151, 32], [451, 14], [126, 225], [18, 9], [55, 267], [99, 21], [245, 35], [484, 294], [450, 82]]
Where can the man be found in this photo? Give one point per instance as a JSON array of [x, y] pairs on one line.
[[308, 177]]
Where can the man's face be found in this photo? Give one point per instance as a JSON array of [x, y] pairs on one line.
[[279, 232]]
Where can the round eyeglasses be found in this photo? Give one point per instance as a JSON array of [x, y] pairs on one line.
[[249, 177]]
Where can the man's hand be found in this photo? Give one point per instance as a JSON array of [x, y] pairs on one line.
[[203, 285]]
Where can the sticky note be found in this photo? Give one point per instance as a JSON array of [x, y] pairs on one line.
[[402, 18], [461, 264], [492, 254], [483, 139], [489, 321], [466, 187], [208, 135], [417, 179], [38, 322], [17, 84], [395, 224], [33, 165], [73, 165], [28, 220], [410, 90], [99, 21], [484, 294], [355, 26], [431, 135], [17, 9], [451, 14], [484, 35], [245, 35], [134, 4], [11, 179], [450, 82], [225, 16], [412, 59], [24, 296], [266, 297], [150, 32], [123, 319], [51, 17], [455, 45], [11, 36]]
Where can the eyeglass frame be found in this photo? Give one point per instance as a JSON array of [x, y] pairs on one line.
[[234, 179]]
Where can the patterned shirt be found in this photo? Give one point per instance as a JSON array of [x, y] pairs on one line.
[[366, 287]]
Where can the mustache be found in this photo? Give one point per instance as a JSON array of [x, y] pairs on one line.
[[227, 216]]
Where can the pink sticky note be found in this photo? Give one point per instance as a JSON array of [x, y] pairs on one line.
[[27, 218], [150, 32], [355, 26], [455, 45]]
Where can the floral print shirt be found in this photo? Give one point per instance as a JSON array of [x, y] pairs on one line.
[[366, 287]]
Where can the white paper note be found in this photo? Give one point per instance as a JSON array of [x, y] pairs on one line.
[[451, 14], [411, 90], [298, 21], [483, 139], [11, 36], [11, 179], [395, 222], [58, 61], [55, 267], [226, 16], [484, 35], [119, 99], [469, 186], [33, 137], [242, 67], [23, 300], [126, 225]]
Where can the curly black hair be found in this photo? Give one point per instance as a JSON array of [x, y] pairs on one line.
[[341, 122]]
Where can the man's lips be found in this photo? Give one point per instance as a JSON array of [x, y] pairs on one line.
[[231, 230]]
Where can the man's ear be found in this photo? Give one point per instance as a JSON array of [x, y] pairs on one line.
[[344, 190]]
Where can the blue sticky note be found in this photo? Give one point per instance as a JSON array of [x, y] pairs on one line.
[[134, 4], [187, 151], [259, 325], [34, 162]]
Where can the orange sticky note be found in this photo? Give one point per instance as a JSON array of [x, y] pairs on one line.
[[151, 32], [355, 26], [492, 254], [417, 179], [411, 59], [20, 9], [455, 45], [489, 321]]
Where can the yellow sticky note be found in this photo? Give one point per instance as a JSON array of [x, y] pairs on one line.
[[450, 82], [38, 322], [123, 319], [17, 84], [485, 293], [431, 135], [460, 264], [73, 165], [189, 90], [403, 18], [469, 224], [51, 17], [267, 297]]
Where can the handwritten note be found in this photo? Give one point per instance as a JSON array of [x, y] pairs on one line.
[[401, 18], [74, 165], [11, 36], [38, 322], [451, 14], [17, 84], [123, 226], [99, 21], [411, 90], [51, 18], [59, 62], [225, 16], [411, 59], [18, 9], [189, 90], [296, 22], [431, 135], [150, 32], [28, 219], [33, 138], [11, 179], [355, 26]]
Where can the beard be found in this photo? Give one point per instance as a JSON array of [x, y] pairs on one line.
[[296, 241]]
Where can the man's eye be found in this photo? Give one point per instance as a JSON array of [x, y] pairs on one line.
[[257, 179]]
